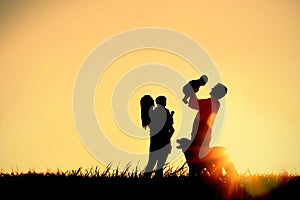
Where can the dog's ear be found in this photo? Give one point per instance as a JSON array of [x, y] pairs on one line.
[[179, 141], [184, 143]]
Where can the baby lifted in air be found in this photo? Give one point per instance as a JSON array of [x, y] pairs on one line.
[[192, 87]]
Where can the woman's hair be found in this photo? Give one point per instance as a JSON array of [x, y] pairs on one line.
[[146, 103]]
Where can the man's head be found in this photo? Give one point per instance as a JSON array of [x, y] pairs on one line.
[[162, 100], [219, 91]]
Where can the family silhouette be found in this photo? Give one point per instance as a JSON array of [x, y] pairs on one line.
[[201, 159]]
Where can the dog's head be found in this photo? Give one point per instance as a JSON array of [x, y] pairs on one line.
[[183, 143]]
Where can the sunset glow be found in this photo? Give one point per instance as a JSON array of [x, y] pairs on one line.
[[254, 45]]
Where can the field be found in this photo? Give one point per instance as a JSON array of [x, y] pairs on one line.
[[107, 183]]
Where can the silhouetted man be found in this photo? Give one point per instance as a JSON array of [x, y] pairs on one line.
[[202, 126]]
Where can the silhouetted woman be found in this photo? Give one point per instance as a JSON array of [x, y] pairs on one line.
[[160, 122]]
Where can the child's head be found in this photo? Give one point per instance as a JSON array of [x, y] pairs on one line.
[[162, 100], [203, 79]]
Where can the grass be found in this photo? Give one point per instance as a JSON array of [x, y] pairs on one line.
[[126, 183]]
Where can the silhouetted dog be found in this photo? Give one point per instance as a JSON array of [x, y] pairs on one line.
[[215, 163]]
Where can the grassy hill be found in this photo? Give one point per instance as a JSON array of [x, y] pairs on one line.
[[96, 184]]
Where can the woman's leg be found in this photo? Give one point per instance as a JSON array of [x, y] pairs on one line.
[[162, 158], [161, 164], [150, 165]]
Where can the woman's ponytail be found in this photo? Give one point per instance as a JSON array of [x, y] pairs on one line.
[[146, 103]]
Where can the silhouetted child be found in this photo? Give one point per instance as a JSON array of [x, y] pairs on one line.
[[192, 87]]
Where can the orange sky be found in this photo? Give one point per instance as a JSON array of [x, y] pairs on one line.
[[255, 46]]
